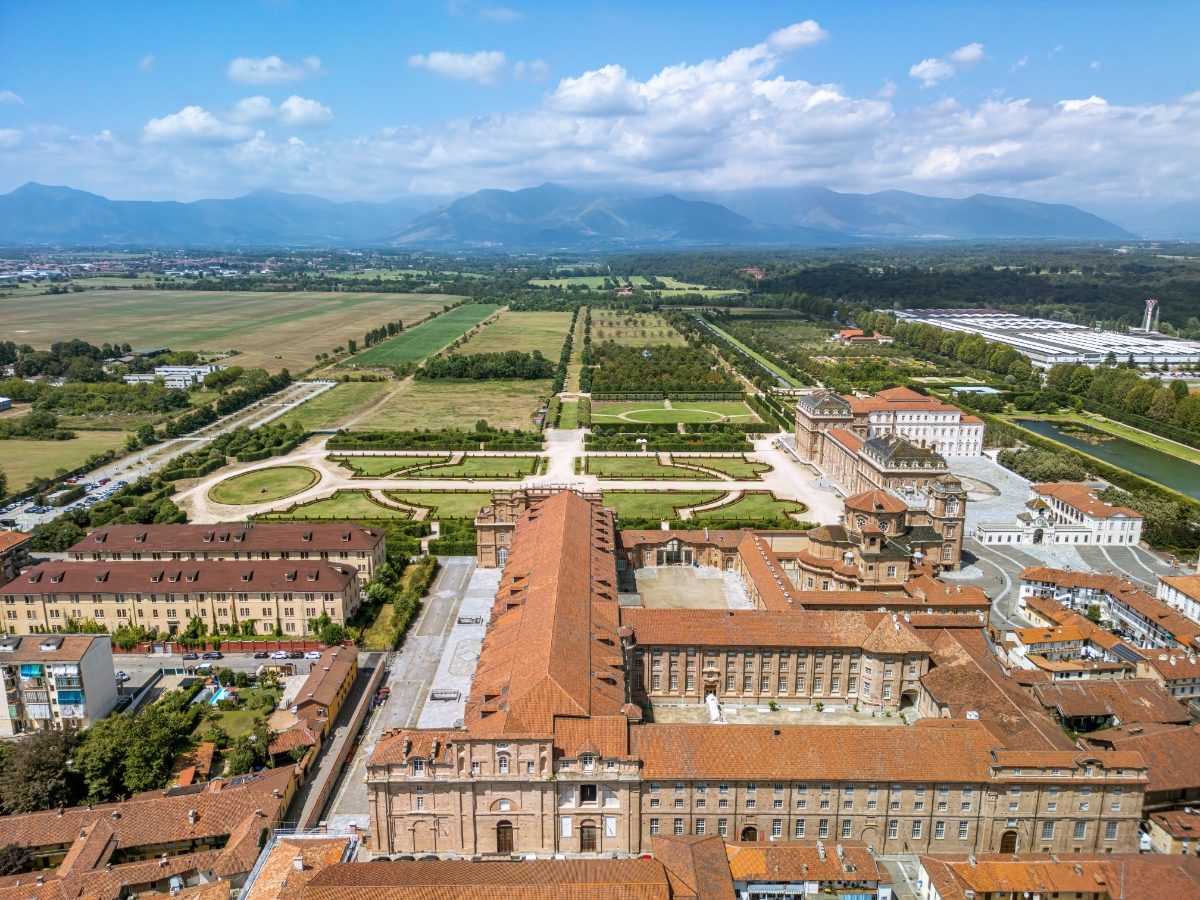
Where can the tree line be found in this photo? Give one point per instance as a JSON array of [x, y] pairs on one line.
[[511, 364]]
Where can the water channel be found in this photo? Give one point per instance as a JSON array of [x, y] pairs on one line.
[[1151, 464]]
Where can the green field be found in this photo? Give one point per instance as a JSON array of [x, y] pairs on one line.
[[252, 706], [270, 330], [445, 504], [482, 467], [425, 339], [656, 504], [349, 505], [753, 505], [382, 466], [637, 329], [22, 460], [633, 467], [263, 485], [569, 417], [331, 408], [656, 412], [739, 468], [444, 404], [524, 331]]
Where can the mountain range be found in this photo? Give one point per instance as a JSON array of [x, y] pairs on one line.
[[548, 217]]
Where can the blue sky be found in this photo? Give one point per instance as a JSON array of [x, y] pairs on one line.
[[1095, 103]]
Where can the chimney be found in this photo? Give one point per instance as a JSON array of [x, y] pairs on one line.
[[298, 862], [192, 816], [40, 881]]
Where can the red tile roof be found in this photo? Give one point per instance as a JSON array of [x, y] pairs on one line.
[[256, 537], [1083, 498], [10, 539], [201, 576], [803, 861], [1129, 700], [1125, 876], [1173, 756]]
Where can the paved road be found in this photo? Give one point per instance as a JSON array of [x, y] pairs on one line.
[[411, 674], [134, 466]]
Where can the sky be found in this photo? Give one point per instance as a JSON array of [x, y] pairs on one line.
[[1094, 103]]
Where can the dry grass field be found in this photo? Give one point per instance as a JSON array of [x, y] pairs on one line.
[[525, 331], [23, 460], [270, 330], [442, 404]]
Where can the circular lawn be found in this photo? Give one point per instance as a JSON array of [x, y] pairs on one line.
[[264, 485]]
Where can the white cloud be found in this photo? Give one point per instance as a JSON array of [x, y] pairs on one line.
[[300, 112], [938, 68], [967, 55], [10, 137], [192, 124], [931, 71], [272, 69], [501, 14], [1020, 63], [797, 36], [484, 67], [10, 97], [534, 70], [252, 109], [608, 91], [887, 90], [147, 62], [1095, 64], [1091, 104]]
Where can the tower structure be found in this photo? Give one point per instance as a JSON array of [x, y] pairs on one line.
[[1150, 319]]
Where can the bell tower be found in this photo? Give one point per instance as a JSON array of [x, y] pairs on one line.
[[947, 511]]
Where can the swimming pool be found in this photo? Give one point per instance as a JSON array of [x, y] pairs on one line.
[[220, 694]]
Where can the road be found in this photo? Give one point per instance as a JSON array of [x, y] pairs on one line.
[[134, 466]]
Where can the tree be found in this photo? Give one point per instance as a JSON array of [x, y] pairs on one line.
[[36, 775], [14, 859], [3, 485], [56, 535], [1162, 405]]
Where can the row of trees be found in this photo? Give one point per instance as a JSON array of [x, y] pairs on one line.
[[1125, 389], [666, 369], [36, 425], [512, 364], [95, 398]]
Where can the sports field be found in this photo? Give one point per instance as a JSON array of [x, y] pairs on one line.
[[445, 504], [427, 338], [269, 330], [330, 408], [437, 404], [637, 329], [22, 461], [658, 412], [348, 505], [263, 485], [524, 331]]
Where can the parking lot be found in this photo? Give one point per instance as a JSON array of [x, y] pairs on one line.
[[141, 667]]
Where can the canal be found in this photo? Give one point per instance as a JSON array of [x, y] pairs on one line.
[[1153, 465]]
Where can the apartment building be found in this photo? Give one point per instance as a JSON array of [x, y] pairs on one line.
[[363, 548], [14, 554], [166, 595], [53, 680], [1181, 593]]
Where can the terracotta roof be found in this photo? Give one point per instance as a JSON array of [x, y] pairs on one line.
[[1083, 498], [846, 438], [934, 750], [873, 631], [876, 501], [697, 867], [201, 576], [1179, 823], [1068, 759], [1124, 876], [327, 677], [1129, 700], [606, 736], [722, 538], [257, 537], [1057, 635], [762, 565], [279, 879], [305, 733], [18, 648], [803, 861], [1173, 756], [1172, 666], [10, 539], [537, 879], [1185, 584]]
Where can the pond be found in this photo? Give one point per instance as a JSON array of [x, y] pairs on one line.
[[1151, 464]]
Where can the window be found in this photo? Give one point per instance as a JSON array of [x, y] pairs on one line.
[[588, 761], [474, 768], [893, 828], [1110, 831], [502, 764], [799, 829], [699, 826], [962, 830], [529, 767], [418, 766], [939, 830], [823, 828], [420, 797], [1080, 831], [846, 828], [723, 827], [654, 827], [677, 827], [916, 828], [776, 828], [587, 793], [1047, 831]]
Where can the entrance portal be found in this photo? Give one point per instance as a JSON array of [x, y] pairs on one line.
[[587, 838], [1008, 842], [1038, 535], [750, 834], [504, 837], [908, 699]]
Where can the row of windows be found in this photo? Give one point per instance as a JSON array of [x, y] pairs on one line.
[[237, 555], [916, 829], [170, 598]]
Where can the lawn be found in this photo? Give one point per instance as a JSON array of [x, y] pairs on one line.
[[569, 416], [264, 485], [656, 504], [754, 505], [350, 505], [736, 467], [482, 467], [648, 466], [441, 404], [270, 330], [382, 466], [425, 339], [445, 504], [656, 412], [254, 704], [637, 329], [525, 331], [22, 460], [328, 410]]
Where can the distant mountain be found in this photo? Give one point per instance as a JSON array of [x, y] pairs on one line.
[[548, 217], [552, 217], [1179, 221], [899, 214], [37, 214]]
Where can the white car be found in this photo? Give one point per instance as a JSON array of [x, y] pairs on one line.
[[279, 654], [313, 654], [122, 677]]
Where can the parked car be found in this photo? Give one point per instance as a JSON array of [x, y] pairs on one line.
[[313, 654], [191, 655], [295, 654], [262, 654], [122, 677], [279, 654], [428, 857], [213, 654], [404, 857]]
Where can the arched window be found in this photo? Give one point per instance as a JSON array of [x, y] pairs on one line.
[[502, 763], [502, 555]]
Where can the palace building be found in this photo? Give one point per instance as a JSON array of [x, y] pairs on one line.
[[595, 727]]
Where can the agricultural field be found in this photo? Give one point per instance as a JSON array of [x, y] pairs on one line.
[[736, 467], [426, 404], [754, 505], [637, 329], [652, 412], [347, 505], [524, 331], [23, 460], [269, 330], [332, 407], [670, 287], [656, 504], [644, 466], [383, 466], [445, 504], [482, 467], [426, 339], [263, 485]]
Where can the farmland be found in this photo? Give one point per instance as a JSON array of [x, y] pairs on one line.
[[23, 460], [524, 331], [638, 329], [426, 339], [657, 412], [331, 408], [269, 330], [426, 404]]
